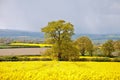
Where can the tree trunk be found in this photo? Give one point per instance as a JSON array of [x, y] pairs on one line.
[[82, 52], [59, 55], [90, 53]]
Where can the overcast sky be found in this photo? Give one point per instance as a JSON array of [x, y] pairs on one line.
[[87, 16]]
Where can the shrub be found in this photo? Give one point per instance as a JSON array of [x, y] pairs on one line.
[[101, 59], [2, 59], [11, 58], [116, 60], [84, 59], [14, 58], [35, 59], [26, 59], [17, 58], [45, 59]]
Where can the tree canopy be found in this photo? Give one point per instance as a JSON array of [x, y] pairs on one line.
[[84, 44], [60, 33], [117, 45], [108, 48]]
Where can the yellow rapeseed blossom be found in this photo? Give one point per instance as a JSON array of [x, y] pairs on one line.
[[59, 70], [28, 44]]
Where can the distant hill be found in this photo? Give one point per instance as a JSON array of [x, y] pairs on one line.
[[97, 38], [16, 34]]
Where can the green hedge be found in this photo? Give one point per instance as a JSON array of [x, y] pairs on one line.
[[16, 58], [101, 59], [25, 58], [116, 60]]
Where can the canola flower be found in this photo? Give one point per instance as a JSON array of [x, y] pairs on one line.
[[55, 70], [28, 44]]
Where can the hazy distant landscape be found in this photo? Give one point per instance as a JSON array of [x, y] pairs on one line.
[[17, 34], [7, 33]]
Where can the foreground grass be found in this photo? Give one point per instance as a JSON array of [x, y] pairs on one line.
[[54, 70]]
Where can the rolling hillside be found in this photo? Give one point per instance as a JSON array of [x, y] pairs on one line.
[[17, 33]]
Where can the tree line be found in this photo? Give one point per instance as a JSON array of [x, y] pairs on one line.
[[59, 33]]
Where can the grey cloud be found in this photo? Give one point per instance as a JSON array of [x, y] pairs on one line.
[[88, 16]]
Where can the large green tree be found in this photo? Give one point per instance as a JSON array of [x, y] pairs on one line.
[[108, 48], [59, 33], [84, 44]]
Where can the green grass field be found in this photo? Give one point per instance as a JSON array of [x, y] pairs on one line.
[[59, 70]]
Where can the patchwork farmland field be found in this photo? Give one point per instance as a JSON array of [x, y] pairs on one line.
[[22, 51], [55, 70], [28, 44]]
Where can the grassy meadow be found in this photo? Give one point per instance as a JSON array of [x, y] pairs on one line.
[[59, 70]]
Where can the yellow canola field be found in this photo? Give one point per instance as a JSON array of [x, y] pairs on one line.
[[55, 70], [28, 44]]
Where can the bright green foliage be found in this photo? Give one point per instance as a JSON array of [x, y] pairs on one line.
[[84, 44], [60, 33], [108, 48], [69, 52]]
